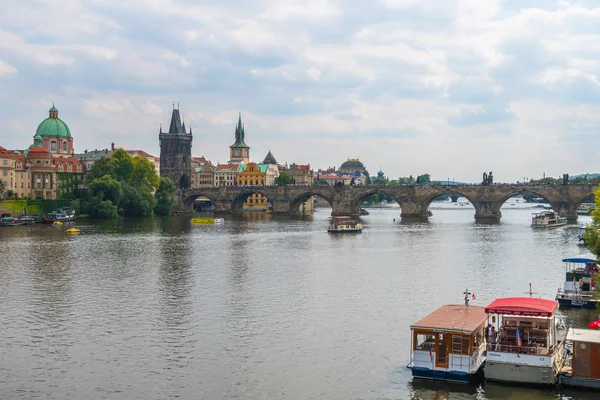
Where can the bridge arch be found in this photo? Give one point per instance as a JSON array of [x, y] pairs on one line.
[[296, 201], [361, 197], [237, 203], [190, 198], [449, 192], [522, 191]]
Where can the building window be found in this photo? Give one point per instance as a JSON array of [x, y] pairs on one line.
[[64, 146], [4, 162], [5, 172], [53, 145]]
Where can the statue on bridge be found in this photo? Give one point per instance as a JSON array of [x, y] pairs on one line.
[[488, 179], [565, 180]]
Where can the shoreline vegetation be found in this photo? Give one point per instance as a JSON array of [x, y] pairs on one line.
[[116, 185]]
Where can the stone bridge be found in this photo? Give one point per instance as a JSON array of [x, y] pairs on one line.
[[414, 200]]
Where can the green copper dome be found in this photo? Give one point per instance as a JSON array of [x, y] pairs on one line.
[[53, 126]]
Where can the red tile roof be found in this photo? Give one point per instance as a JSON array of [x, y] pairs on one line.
[[456, 318]]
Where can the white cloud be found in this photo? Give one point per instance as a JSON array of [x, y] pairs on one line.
[[6, 69], [412, 86]]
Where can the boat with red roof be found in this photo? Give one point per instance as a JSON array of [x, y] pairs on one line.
[[525, 343], [448, 344]]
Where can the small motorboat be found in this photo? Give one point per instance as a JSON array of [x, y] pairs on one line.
[[72, 231], [208, 221]]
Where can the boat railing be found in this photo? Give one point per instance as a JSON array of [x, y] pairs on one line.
[[527, 349]]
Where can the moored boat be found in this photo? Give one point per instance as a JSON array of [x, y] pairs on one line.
[[344, 224], [547, 219], [528, 348], [207, 220], [448, 344], [8, 221], [578, 289], [582, 365], [60, 215], [586, 208]]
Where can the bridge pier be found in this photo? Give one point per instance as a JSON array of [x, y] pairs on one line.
[[281, 207], [412, 210], [566, 209], [487, 212]]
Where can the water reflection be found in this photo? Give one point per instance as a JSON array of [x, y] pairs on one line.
[[262, 306]]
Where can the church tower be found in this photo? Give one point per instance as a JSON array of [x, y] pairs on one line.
[[239, 152], [176, 152]]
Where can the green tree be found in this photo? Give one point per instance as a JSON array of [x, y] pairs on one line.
[[100, 168], [283, 179], [137, 202], [2, 189], [123, 165], [423, 179], [99, 208], [107, 188], [165, 197], [143, 174], [592, 237], [368, 180]]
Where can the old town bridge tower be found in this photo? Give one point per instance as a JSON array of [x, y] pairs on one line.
[[176, 152]]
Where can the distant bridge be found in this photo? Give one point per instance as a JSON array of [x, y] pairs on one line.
[[414, 200]]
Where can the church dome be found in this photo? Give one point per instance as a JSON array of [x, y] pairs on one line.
[[53, 126], [352, 164]]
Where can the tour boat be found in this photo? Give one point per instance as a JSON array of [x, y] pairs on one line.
[[207, 220], [578, 289], [344, 225], [586, 208], [547, 219], [582, 365], [449, 345], [528, 348], [61, 215]]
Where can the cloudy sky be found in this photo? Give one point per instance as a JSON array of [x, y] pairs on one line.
[[446, 87]]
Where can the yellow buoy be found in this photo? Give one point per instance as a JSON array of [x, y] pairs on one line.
[[57, 223], [72, 230]]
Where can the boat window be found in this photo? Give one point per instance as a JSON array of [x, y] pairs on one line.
[[424, 341], [460, 344]]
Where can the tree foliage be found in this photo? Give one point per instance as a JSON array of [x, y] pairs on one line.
[[2, 188], [423, 179], [127, 183], [165, 197], [103, 166], [283, 179], [592, 236]]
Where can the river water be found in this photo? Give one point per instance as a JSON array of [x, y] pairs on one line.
[[261, 307]]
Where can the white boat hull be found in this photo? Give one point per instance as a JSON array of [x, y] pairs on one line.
[[522, 368]]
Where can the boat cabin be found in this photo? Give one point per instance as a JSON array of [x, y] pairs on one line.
[[448, 344], [578, 288], [523, 343], [522, 325], [341, 224], [582, 365], [547, 219]]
